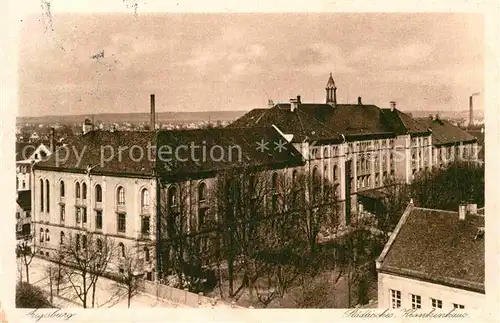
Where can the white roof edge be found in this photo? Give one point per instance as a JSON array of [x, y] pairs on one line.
[[288, 137]]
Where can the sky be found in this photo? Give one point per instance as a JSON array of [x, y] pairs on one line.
[[101, 63]]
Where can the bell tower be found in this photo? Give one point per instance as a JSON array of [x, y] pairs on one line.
[[331, 91]]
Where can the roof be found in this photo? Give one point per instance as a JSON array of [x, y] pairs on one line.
[[443, 132], [447, 251], [100, 150], [299, 123], [24, 200], [170, 152], [331, 82], [403, 123], [224, 147]]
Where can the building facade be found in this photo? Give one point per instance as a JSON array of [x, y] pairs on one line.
[[444, 270]]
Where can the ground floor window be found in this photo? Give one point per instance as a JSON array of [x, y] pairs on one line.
[[395, 298], [121, 223], [460, 306], [436, 303], [416, 301]]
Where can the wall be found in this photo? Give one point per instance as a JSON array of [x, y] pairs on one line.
[[52, 220], [426, 291]]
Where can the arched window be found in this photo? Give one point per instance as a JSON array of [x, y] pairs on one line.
[[120, 196], [335, 172], [61, 239], [172, 196], [47, 235], [99, 245], [41, 234], [77, 190], [48, 194], [202, 192], [41, 195], [146, 254], [121, 247], [61, 189], [84, 191], [144, 198], [98, 193], [325, 153]]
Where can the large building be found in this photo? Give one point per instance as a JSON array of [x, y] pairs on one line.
[[434, 259], [113, 183]]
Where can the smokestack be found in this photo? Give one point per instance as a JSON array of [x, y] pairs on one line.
[[393, 105], [52, 139], [153, 112], [359, 100], [471, 112], [298, 99]]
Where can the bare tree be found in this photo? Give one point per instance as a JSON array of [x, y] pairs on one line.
[[131, 270], [25, 252], [87, 257]]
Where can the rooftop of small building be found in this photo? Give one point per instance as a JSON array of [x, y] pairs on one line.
[[444, 133], [437, 246]]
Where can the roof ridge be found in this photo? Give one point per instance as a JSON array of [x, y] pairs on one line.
[[388, 245], [436, 210]]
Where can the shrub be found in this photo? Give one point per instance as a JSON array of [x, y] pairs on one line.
[[29, 296]]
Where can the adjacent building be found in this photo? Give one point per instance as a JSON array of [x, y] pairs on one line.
[[434, 259]]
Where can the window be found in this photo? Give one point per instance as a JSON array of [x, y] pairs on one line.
[[98, 193], [77, 244], [61, 189], [202, 192], [99, 245], [77, 191], [145, 225], [459, 306], [41, 195], [395, 298], [416, 301], [24, 184], [121, 247], [84, 191], [121, 223], [146, 254], [436, 303], [202, 215], [18, 215], [325, 153], [61, 239], [78, 215], [84, 217], [41, 234], [172, 196], [47, 235], [98, 220], [62, 212], [48, 194], [144, 198], [335, 173], [28, 214], [84, 242], [120, 196]]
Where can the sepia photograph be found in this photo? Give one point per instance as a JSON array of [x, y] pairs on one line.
[[300, 160]]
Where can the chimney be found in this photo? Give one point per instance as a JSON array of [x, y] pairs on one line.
[[153, 112], [298, 99], [294, 103], [462, 210], [393, 105], [359, 100], [472, 208], [52, 139], [471, 112], [270, 103]]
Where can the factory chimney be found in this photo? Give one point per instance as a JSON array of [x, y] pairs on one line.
[[471, 109], [153, 112]]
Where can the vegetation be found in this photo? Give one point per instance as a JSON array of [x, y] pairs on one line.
[[29, 296]]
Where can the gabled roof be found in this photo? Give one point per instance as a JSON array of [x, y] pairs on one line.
[[24, 200], [443, 132], [85, 151], [299, 123], [403, 123], [436, 246], [234, 147]]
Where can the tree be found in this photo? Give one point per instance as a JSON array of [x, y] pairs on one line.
[[29, 296], [87, 257], [131, 270], [26, 254], [445, 188], [395, 201]]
